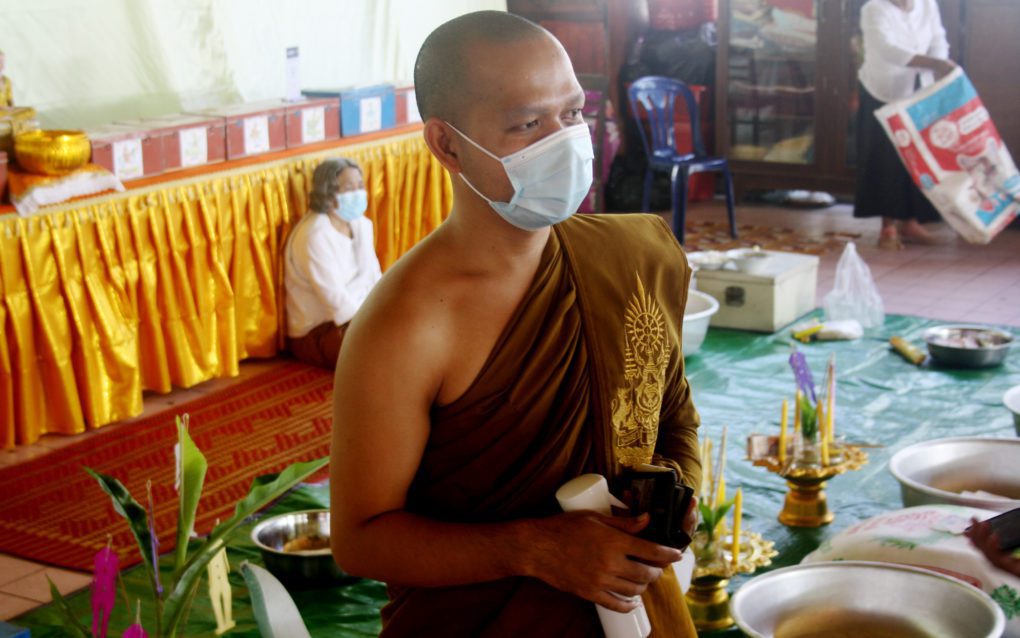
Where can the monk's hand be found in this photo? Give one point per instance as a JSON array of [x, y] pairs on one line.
[[691, 519], [596, 557], [984, 538]]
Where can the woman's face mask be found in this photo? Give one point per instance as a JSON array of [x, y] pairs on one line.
[[351, 205], [550, 178]]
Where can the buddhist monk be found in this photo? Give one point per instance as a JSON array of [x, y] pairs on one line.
[[514, 349]]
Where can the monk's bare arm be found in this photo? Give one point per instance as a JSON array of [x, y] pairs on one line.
[[387, 377]]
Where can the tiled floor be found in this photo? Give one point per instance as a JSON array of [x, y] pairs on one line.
[[953, 281]]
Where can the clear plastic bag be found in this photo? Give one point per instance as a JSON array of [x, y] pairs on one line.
[[855, 295]]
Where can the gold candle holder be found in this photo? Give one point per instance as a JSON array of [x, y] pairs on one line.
[[806, 504], [707, 598]]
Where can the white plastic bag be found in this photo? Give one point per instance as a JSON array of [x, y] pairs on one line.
[[855, 295]]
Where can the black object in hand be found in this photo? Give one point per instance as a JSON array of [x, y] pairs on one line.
[[657, 492], [1007, 529]]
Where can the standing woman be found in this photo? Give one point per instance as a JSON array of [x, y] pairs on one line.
[[905, 48], [330, 264]]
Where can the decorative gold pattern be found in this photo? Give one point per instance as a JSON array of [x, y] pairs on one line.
[[635, 409]]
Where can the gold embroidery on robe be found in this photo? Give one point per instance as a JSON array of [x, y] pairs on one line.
[[635, 409]]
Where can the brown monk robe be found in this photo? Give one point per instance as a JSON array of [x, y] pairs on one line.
[[587, 376]]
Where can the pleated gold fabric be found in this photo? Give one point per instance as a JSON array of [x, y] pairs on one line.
[[173, 285]]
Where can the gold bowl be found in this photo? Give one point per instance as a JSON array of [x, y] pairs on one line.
[[52, 152]]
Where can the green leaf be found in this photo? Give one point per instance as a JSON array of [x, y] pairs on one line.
[[134, 514], [711, 517], [809, 419], [72, 625], [264, 490], [192, 476], [1008, 599]]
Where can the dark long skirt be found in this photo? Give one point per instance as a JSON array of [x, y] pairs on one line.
[[884, 187]]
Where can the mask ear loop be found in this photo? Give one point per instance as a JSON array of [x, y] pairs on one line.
[[482, 149]]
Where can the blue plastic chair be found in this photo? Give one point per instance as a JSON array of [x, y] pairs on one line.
[[652, 103]]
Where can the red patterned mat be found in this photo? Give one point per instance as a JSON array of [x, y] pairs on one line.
[[712, 235], [53, 512]]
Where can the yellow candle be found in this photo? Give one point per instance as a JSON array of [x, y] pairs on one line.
[[782, 434], [706, 485], [822, 433], [738, 506]]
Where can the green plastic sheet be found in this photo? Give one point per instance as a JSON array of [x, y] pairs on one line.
[[739, 380]]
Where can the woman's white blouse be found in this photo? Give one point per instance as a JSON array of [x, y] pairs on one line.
[[892, 37], [327, 275]]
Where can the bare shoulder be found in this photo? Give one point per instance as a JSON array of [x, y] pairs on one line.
[[404, 324]]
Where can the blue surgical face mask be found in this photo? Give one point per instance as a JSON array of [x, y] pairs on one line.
[[550, 178], [351, 204]]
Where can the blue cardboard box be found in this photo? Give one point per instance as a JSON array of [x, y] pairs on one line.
[[363, 109]]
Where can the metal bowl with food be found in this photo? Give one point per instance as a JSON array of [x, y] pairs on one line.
[[296, 550], [859, 598], [967, 346], [52, 152], [969, 471]]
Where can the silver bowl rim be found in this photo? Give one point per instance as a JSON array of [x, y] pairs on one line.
[[1000, 616], [266, 548], [969, 326], [934, 491], [1007, 395]]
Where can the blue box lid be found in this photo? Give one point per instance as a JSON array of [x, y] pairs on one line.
[[350, 91]]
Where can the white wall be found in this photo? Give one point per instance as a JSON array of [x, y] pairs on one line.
[[87, 62]]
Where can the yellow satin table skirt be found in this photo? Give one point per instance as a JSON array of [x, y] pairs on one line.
[[173, 285]]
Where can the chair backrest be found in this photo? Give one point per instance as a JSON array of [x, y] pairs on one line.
[[653, 106]]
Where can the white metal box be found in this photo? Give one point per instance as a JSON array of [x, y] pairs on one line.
[[765, 302]]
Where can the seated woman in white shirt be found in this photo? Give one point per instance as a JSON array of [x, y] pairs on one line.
[[904, 47], [330, 264]]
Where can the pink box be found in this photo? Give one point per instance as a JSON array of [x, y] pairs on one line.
[[313, 120], [407, 106], [253, 128], [127, 151], [188, 140]]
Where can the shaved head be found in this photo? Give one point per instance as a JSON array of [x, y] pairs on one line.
[[442, 72]]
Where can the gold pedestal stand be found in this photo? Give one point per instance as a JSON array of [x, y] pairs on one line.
[[806, 504], [707, 599]]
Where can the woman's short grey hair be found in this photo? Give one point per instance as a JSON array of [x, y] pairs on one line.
[[324, 187]]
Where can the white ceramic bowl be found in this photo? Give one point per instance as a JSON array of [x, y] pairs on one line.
[[697, 314], [937, 471], [858, 598], [1012, 401], [750, 261], [708, 259]]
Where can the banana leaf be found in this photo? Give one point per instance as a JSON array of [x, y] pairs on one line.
[[72, 626], [264, 490], [132, 511], [191, 474]]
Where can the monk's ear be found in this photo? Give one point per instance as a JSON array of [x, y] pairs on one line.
[[443, 142]]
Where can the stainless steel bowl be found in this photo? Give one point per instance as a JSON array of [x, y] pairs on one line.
[[937, 471], [941, 349], [298, 568], [1012, 401], [858, 598]]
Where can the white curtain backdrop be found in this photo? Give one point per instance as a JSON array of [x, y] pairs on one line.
[[83, 63]]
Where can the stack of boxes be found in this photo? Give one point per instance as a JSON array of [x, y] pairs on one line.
[[133, 149]]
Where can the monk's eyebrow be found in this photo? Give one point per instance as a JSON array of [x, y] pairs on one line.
[[541, 108]]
